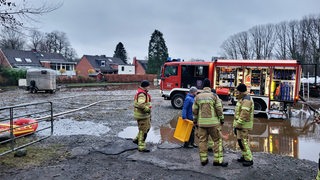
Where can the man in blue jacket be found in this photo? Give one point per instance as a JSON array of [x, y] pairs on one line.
[[187, 114]]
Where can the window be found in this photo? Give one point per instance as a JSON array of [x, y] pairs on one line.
[[28, 60], [171, 71], [103, 63], [68, 67], [199, 70], [18, 59], [53, 66], [122, 68]]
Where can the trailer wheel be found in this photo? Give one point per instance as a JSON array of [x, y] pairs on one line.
[[177, 101]]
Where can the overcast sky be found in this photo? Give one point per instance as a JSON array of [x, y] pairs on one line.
[[191, 28]]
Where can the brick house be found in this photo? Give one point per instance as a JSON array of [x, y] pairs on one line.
[[140, 66], [33, 59], [92, 65]]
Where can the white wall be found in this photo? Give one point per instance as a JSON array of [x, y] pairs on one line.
[[126, 69]]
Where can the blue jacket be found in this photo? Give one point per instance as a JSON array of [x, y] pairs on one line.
[[187, 107]]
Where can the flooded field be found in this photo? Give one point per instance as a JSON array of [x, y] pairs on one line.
[[295, 137]]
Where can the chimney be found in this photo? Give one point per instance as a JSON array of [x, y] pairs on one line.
[[134, 62]]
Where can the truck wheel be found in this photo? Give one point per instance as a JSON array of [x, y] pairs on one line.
[[177, 101], [259, 105]]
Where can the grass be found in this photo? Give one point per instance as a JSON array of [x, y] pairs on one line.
[[36, 155]]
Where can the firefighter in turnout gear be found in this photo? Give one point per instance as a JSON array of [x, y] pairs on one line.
[[210, 141], [142, 113], [243, 123], [208, 115]]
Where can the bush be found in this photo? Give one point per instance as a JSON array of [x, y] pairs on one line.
[[10, 76]]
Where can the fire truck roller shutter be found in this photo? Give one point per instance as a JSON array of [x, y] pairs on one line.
[[177, 100]]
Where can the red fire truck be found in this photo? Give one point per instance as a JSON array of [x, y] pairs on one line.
[[273, 84]]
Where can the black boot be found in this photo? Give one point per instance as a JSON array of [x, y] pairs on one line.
[[203, 163], [144, 150], [241, 159], [187, 145], [194, 145], [223, 164], [135, 141], [247, 163]]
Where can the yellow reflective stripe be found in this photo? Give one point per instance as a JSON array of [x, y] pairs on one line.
[[246, 108], [240, 121], [210, 121]]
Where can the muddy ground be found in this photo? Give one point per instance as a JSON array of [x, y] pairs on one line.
[[95, 150]]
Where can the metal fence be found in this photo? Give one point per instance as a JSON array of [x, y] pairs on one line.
[[33, 117]]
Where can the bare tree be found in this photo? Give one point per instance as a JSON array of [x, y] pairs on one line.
[[230, 48], [242, 42], [57, 42], [293, 36], [304, 41], [263, 40], [313, 31], [256, 33], [15, 14], [298, 40], [281, 51], [268, 41], [36, 37], [11, 39], [70, 53]]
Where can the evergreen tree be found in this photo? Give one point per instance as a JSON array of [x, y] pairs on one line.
[[157, 54], [121, 52]]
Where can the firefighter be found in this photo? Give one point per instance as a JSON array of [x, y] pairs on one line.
[[208, 115], [210, 141], [142, 113], [243, 123]]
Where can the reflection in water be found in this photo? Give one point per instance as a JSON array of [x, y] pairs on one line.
[[276, 136], [295, 137], [132, 131]]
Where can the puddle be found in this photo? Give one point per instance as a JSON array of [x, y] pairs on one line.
[[132, 131], [67, 127], [275, 136]]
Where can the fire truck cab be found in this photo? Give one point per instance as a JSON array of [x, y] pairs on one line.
[[273, 84]]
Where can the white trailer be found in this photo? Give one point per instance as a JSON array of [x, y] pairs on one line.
[[41, 80]]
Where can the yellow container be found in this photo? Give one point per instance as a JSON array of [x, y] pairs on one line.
[[183, 130]]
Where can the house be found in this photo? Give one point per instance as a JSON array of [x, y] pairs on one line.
[[92, 65], [126, 69], [140, 66], [33, 59]]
